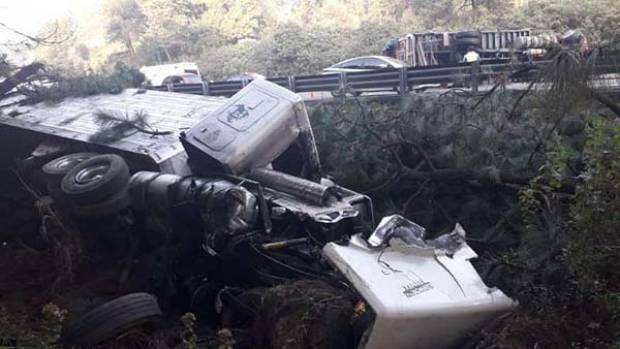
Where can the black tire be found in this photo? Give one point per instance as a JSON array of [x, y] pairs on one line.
[[336, 93], [468, 34], [109, 207], [95, 179], [112, 319], [56, 169], [397, 90], [466, 42]]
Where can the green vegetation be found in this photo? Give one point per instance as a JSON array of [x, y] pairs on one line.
[[563, 271], [17, 330], [278, 37]]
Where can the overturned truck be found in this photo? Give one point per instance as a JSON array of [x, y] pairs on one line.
[[237, 185]]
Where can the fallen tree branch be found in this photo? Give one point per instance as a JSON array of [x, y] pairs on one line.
[[447, 175], [412, 197], [486, 95], [513, 111], [20, 76], [420, 151], [488, 176], [138, 122], [606, 101]]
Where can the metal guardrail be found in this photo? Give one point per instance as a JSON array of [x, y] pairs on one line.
[[401, 80]]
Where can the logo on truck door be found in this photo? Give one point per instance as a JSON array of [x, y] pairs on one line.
[[237, 112], [411, 284], [247, 109], [415, 287]]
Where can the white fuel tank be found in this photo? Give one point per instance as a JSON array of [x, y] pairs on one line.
[[251, 129]]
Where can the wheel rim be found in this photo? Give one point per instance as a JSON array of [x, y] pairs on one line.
[[91, 174], [69, 161]]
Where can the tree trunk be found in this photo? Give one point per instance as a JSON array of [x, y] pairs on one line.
[[129, 44], [608, 102], [447, 175], [167, 54]]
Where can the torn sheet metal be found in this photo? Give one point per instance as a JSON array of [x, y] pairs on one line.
[[343, 204], [425, 293], [396, 226], [227, 209]]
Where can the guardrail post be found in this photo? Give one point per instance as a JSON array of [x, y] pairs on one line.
[[475, 76], [170, 87], [205, 88], [292, 83], [343, 82], [403, 86]]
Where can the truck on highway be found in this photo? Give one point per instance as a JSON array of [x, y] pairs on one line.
[[422, 49]]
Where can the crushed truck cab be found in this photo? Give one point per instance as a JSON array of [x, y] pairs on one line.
[[425, 294]]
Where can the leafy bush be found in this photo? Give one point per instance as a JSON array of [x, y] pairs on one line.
[[594, 248], [563, 272]]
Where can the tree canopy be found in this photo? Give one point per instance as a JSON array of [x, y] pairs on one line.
[[275, 37]]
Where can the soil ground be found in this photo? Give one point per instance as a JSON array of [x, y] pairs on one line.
[[46, 275]]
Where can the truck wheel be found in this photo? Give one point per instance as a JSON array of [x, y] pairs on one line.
[[95, 179], [56, 169], [468, 34], [112, 319], [465, 42], [336, 93], [109, 207]]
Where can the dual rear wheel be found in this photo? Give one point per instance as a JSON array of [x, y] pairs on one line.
[[94, 185], [467, 39]]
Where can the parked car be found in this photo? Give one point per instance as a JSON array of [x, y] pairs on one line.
[[184, 73], [182, 79], [245, 76], [365, 63]]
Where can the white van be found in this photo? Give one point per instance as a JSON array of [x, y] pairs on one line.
[[175, 73]]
